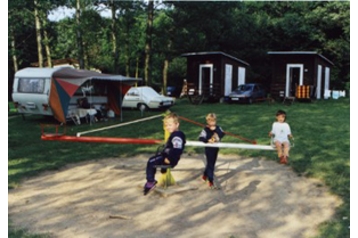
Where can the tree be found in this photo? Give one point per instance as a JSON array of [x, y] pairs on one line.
[[148, 43], [93, 45], [38, 33], [79, 35], [13, 50], [40, 16], [131, 28], [114, 38], [41, 9], [163, 43], [330, 26], [20, 20], [47, 43]]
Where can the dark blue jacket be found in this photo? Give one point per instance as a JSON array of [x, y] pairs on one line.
[[206, 134], [174, 147]]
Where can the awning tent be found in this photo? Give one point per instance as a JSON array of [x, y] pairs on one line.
[[65, 82]]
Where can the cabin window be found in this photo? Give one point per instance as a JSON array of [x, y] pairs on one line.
[[31, 85]]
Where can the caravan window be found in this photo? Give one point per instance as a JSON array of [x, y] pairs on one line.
[[31, 85]]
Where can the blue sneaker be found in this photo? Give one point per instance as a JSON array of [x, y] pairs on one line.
[[149, 186]]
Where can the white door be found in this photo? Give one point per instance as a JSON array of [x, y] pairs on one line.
[[241, 76], [228, 79], [294, 76], [327, 92], [326, 78], [205, 77], [319, 81]]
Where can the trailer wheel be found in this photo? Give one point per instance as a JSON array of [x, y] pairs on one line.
[[196, 99], [142, 106]]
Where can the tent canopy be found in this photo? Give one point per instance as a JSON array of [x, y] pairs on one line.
[[66, 80]]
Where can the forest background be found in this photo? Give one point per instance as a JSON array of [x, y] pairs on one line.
[[145, 39]]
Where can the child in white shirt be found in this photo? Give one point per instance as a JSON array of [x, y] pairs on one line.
[[281, 132]]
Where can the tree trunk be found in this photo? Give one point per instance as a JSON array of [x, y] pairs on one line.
[[165, 75], [148, 44], [126, 51], [38, 34], [127, 59], [79, 35], [46, 41], [166, 65], [115, 53], [13, 52], [47, 49], [137, 67], [86, 62]]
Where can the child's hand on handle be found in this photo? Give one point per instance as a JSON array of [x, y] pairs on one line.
[[166, 161], [214, 138]]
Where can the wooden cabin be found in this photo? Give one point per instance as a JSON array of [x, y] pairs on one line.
[[295, 71], [213, 75]]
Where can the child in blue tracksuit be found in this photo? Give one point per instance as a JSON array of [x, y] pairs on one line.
[[211, 133], [170, 155]]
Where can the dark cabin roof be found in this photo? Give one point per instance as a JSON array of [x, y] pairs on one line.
[[300, 53], [215, 53]]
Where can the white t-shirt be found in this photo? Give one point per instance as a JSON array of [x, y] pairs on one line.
[[281, 131]]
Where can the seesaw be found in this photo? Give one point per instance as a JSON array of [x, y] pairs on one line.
[[119, 140], [230, 145]]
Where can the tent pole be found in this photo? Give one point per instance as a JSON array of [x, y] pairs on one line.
[[90, 117], [121, 98]]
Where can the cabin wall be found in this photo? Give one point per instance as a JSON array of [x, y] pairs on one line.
[[324, 84], [219, 63], [310, 72], [234, 74], [193, 64]]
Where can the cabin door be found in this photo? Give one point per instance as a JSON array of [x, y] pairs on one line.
[[205, 78], [228, 79], [294, 77], [241, 76], [326, 78], [319, 81]]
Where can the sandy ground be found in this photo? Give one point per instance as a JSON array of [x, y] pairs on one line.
[[258, 198]]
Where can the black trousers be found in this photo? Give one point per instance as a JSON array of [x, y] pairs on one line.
[[211, 155]]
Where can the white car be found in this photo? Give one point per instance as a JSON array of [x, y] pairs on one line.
[[145, 97]]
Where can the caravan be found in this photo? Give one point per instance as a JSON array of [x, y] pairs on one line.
[[58, 91]]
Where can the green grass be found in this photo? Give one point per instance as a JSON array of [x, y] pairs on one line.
[[321, 130], [11, 109]]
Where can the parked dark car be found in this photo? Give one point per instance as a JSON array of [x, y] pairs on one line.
[[247, 93], [173, 91]]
